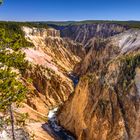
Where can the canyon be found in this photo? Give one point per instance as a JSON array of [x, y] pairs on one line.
[[84, 82], [105, 102]]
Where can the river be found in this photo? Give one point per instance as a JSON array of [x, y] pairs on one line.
[[52, 126]]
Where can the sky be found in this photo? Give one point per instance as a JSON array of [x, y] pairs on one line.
[[69, 10]]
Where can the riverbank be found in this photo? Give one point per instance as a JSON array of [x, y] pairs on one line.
[[52, 127]]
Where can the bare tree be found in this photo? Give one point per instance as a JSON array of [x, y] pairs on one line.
[[12, 121]]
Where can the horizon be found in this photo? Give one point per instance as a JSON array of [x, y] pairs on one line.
[[70, 20], [70, 10]]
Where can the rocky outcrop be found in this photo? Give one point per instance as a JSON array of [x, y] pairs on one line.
[[75, 48], [127, 41], [50, 61], [84, 32], [100, 51], [106, 102]]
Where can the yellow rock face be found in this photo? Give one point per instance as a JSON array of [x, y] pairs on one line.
[[106, 102], [50, 62]]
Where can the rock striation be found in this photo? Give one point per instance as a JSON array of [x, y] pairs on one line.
[[50, 62], [106, 101], [84, 32]]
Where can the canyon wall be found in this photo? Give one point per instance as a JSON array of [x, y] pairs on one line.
[[106, 101], [50, 63], [84, 32]]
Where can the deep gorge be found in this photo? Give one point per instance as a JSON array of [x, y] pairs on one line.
[[90, 72]]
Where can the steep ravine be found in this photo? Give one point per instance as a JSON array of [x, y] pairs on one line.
[[47, 77], [53, 127], [106, 101], [81, 105], [50, 62]]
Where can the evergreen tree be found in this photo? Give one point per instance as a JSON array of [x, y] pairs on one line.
[[12, 89]]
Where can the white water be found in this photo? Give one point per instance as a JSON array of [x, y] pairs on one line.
[[54, 129], [52, 113], [53, 120]]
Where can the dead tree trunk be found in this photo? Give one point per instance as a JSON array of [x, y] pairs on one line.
[[12, 121]]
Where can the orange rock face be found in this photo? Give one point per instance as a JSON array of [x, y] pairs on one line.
[[50, 62], [106, 102]]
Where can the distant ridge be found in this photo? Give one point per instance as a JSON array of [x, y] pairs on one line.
[[130, 24]]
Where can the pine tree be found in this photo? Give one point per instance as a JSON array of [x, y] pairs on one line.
[[12, 89]]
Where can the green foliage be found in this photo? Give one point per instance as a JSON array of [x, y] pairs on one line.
[[29, 80], [21, 119], [102, 106], [12, 59], [45, 24], [11, 89], [16, 26], [11, 41], [4, 121], [127, 73], [15, 59], [90, 77], [129, 24], [11, 36]]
